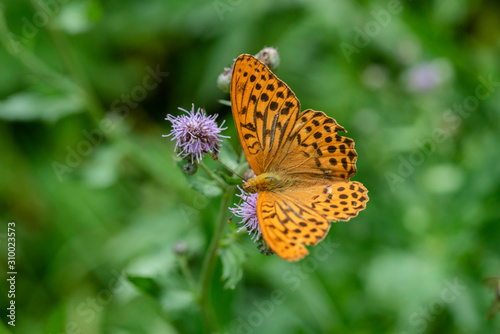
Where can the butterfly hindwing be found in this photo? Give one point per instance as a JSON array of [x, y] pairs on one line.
[[301, 215], [335, 201], [287, 224], [264, 108]]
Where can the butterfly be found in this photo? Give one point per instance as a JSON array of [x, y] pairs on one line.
[[302, 165]]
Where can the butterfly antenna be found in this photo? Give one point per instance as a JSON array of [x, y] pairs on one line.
[[229, 169]]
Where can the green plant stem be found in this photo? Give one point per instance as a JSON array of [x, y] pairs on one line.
[[210, 260], [28, 59], [94, 107], [214, 176], [187, 275]]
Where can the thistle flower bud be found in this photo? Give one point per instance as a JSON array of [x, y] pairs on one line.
[[270, 57], [190, 168], [224, 79]]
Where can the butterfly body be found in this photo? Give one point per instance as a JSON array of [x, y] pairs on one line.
[[269, 181], [302, 165], [263, 182]]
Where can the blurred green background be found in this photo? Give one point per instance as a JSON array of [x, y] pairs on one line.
[[96, 194]]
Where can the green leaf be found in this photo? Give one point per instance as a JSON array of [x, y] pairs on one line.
[[232, 257], [102, 167], [74, 18], [94, 10], [201, 184], [228, 156], [207, 187], [146, 284], [29, 106], [224, 102]]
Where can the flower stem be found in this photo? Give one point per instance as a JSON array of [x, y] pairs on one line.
[[214, 176], [187, 275], [210, 260]]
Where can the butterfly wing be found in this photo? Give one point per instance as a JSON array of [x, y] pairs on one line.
[[301, 216], [316, 150], [265, 111], [274, 134]]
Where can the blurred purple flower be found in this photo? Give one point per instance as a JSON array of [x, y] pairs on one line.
[[247, 211], [428, 75], [424, 77], [195, 133]]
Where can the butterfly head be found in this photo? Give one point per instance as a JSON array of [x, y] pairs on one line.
[[265, 181]]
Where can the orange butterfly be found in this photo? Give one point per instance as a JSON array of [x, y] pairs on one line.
[[302, 165]]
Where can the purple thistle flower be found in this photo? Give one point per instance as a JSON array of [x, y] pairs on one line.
[[247, 210], [195, 133]]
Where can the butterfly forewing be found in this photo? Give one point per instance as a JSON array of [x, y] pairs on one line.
[[265, 111]]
